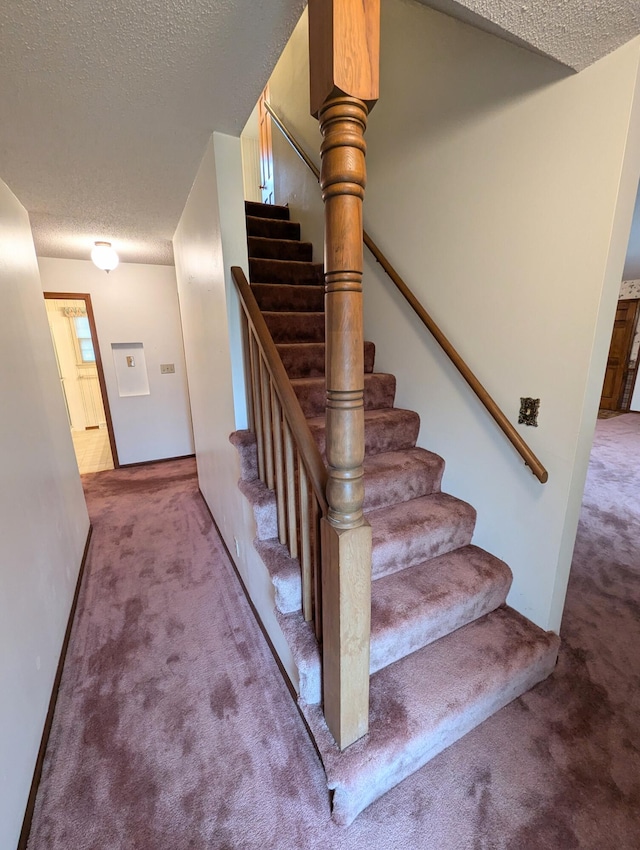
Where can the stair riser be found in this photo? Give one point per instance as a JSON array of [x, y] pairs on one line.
[[295, 327], [417, 607], [379, 392], [413, 474], [280, 249], [445, 606], [280, 297], [285, 271], [417, 531], [272, 228], [388, 434], [308, 361], [265, 511], [255, 208], [284, 573]]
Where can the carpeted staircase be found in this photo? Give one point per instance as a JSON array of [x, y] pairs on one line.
[[446, 651]]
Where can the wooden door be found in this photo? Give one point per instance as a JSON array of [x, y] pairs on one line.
[[619, 352], [266, 152]]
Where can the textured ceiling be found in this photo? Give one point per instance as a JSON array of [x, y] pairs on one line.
[[106, 105], [573, 32]]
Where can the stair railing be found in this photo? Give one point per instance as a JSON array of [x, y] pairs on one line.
[[289, 461], [514, 437]]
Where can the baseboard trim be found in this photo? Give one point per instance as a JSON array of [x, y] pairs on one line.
[[254, 610], [37, 773], [159, 460]]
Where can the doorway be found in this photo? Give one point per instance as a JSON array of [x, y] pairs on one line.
[[267, 183], [77, 351], [621, 371]]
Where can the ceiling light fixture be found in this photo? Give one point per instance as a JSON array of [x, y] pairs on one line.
[[104, 256]]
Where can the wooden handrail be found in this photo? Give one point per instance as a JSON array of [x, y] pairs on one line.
[[514, 437], [503, 423], [306, 445], [294, 144]]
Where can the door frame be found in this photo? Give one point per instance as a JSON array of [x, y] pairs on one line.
[[625, 356], [84, 296], [636, 367], [265, 145]]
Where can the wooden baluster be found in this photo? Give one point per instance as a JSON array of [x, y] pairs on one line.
[[257, 404], [305, 543], [248, 377], [265, 392], [344, 40], [276, 410], [289, 462], [316, 561]]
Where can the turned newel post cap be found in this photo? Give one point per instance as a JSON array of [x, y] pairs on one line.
[[344, 50]]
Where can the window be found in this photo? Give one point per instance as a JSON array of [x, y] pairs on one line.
[[82, 331]]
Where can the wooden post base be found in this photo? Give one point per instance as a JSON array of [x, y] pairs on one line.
[[346, 603]]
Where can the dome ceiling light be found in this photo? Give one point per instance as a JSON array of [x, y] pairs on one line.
[[104, 256]]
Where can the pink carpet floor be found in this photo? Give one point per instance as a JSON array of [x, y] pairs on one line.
[[175, 731]]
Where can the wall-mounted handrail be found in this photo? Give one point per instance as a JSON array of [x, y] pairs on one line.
[[514, 437]]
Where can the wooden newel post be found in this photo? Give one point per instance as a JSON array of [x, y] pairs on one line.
[[344, 38]]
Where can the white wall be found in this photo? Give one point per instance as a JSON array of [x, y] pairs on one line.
[[136, 303], [502, 188], [43, 517], [250, 147], [210, 238]]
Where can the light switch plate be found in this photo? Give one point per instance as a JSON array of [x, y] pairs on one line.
[[529, 409]]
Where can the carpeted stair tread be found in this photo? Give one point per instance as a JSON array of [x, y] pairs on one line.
[[417, 606], [263, 502], [280, 249], [255, 208], [285, 271], [305, 650], [307, 359], [276, 297], [284, 572], [295, 326], [408, 611], [272, 228], [245, 444], [395, 477], [379, 393], [384, 430], [425, 702], [412, 532]]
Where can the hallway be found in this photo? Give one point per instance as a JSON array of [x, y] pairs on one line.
[[174, 729]]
